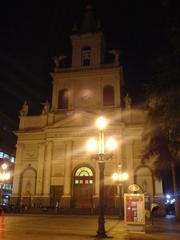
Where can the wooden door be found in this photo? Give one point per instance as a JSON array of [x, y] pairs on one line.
[[83, 188], [83, 195]]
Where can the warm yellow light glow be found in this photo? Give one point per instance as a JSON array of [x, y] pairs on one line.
[[115, 176], [92, 144], [124, 176], [101, 123], [7, 176], [4, 166], [111, 144], [120, 177]]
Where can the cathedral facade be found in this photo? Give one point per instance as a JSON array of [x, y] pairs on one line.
[[52, 162]]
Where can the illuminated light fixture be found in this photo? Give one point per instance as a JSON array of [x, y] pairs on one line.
[[168, 196], [101, 157], [124, 176], [7, 176], [111, 144], [4, 166], [4, 176], [101, 123], [115, 176], [92, 144], [120, 177]]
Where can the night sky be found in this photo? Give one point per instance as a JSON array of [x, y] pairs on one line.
[[32, 34]]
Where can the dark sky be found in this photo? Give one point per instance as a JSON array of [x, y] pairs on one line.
[[32, 34]]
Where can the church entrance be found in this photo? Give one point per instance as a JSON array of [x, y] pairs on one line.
[[83, 187]]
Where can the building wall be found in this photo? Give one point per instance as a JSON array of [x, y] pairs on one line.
[[51, 146], [85, 87], [49, 156]]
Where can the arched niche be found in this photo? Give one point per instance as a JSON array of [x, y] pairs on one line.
[[144, 178], [28, 182]]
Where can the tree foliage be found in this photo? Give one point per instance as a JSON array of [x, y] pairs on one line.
[[163, 101]]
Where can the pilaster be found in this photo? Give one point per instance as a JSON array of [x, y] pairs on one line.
[[17, 171], [54, 96], [47, 170], [130, 165], [41, 155], [66, 198]]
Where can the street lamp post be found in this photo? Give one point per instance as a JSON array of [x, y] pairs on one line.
[[4, 175], [101, 157], [119, 177]]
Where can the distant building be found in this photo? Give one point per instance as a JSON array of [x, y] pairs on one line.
[[7, 157], [52, 164]]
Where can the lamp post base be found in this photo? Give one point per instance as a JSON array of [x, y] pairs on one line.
[[101, 235]]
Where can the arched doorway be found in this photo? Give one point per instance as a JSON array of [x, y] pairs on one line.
[[83, 187]]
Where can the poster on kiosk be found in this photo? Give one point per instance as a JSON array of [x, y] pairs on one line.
[[134, 209]]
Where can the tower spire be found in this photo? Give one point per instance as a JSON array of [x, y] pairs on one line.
[[89, 22]]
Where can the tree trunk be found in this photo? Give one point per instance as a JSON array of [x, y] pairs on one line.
[[177, 202]]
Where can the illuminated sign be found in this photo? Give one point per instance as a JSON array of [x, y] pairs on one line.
[[134, 209]]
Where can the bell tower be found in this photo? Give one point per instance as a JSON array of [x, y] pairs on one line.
[[88, 45], [90, 83]]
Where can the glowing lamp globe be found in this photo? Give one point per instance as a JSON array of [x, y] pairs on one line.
[[91, 144], [4, 166], [111, 144], [101, 123]]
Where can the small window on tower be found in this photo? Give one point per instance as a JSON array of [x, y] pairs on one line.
[[108, 95], [86, 56], [63, 99]]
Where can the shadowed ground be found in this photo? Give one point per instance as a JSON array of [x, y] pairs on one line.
[[53, 227]]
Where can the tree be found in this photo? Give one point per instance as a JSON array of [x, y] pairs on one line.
[[163, 137], [163, 129], [163, 100]]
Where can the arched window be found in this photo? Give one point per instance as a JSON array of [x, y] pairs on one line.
[[84, 175], [63, 99], [108, 95], [84, 171], [86, 56]]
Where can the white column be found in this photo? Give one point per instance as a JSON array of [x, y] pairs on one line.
[[47, 170], [158, 187], [66, 198], [40, 168], [130, 165], [68, 169], [117, 92], [119, 154], [54, 96], [17, 171]]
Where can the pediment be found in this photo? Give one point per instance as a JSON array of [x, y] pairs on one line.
[[78, 119]]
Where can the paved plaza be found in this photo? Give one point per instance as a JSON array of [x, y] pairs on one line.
[[59, 227]]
